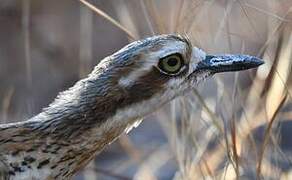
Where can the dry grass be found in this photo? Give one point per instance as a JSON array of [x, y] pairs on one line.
[[239, 107], [229, 128]]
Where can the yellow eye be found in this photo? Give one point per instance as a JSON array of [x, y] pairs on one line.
[[171, 64]]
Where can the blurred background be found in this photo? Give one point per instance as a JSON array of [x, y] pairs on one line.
[[234, 126]]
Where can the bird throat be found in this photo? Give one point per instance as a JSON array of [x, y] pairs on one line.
[[72, 130]]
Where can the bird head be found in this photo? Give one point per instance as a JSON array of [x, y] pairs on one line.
[[153, 71], [122, 88]]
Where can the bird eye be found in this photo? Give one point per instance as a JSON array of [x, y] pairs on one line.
[[171, 64]]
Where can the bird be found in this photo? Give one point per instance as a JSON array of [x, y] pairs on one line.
[[121, 89]]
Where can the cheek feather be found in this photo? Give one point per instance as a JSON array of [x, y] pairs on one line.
[[126, 82], [149, 83], [141, 68]]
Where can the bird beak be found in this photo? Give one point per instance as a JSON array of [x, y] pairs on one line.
[[226, 63]]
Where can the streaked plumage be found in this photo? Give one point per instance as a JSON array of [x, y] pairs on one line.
[[121, 89]]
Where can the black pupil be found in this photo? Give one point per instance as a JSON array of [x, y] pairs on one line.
[[172, 62]]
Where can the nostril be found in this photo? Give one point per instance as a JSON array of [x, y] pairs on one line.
[[216, 61]]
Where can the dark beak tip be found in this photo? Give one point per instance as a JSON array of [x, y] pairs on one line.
[[255, 62], [261, 62]]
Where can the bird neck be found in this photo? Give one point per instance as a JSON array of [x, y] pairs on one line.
[[68, 133]]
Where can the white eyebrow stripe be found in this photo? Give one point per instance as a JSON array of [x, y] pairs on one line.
[[173, 47], [152, 60], [131, 78], [126, 81]]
